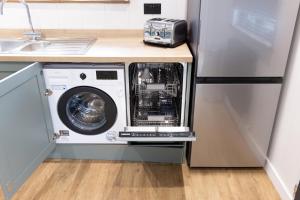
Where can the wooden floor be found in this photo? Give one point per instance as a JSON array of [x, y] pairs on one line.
[[89, 180]]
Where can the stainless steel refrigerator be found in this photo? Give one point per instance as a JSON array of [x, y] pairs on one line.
[[241, 49]]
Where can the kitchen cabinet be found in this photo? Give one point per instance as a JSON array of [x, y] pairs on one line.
[[27, 135], [7, 69], [25, 124]]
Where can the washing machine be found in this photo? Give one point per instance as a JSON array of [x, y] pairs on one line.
[[87, 102]]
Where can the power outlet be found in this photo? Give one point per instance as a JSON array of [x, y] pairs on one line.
[[152, 8]]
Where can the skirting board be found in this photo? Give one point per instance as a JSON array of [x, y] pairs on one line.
[[277, 181], [119, 152]]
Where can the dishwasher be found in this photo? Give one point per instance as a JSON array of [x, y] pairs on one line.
[[157, 103]]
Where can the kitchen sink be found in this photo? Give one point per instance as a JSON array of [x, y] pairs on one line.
[[35, 46], [53, 46], [58, 46], [8, 45]]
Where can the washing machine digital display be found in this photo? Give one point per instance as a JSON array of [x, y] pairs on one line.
[[87, 110], [107, 75]]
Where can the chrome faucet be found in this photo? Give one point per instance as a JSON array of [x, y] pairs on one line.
[[33, 35]]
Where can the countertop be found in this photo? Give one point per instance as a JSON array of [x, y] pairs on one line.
[[126, 46]]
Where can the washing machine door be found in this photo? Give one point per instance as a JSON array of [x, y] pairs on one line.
[[87, 110]]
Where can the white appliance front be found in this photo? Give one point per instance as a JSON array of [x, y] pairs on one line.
[[101, 88]]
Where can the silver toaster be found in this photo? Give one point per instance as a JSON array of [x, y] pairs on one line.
[[165, 32]]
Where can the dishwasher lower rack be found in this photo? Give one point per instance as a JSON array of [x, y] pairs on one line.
[[155, 115], [154, 102]]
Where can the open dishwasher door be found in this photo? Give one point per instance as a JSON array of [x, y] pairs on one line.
[[157, 134]]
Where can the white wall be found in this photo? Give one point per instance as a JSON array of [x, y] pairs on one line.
[[88, 15], [283, 165]]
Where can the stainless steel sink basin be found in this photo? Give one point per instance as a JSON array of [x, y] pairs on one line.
[[68, 46], [35, 46], [9, 45], [58, 46]]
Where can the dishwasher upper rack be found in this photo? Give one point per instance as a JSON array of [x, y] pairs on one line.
[[165, 80]]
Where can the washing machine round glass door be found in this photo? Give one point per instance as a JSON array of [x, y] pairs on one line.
[[87, 110]]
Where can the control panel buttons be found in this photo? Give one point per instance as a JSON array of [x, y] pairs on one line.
[[156, 134], [82, 76]]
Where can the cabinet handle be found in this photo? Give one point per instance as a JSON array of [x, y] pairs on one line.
[[48, 92]]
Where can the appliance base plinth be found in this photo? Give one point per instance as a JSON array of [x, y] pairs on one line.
[[119, 153]]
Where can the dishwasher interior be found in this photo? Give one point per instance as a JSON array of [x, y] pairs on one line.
[[157, 96]]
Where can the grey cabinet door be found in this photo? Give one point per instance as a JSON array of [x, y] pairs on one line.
[[26, 129]]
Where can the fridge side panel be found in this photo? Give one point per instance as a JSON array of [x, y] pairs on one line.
[[193, 18], [245, 38], [233, 124]]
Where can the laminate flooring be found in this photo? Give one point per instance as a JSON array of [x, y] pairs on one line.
[[110, 180]]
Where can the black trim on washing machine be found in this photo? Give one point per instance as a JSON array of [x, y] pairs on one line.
[[110, 110]]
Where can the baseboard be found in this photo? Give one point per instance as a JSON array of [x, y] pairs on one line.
[[135, 153], [277, 181]]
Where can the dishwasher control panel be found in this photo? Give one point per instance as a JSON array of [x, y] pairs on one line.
[[156, 134]]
